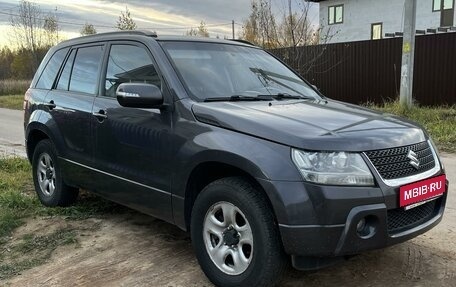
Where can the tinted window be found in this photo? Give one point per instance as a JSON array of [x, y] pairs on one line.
[[84, 76], [64, 79], [129, 64], [50, 71]]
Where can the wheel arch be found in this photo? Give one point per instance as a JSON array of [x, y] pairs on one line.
[[206, 172], [35, 133]]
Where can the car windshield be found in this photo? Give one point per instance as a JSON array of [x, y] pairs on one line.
[[215, 70]]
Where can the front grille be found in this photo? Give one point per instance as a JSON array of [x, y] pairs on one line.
[[393, 163], [400, 219]]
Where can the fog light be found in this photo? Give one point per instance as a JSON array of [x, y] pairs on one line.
[[361, 226], [367, 226]]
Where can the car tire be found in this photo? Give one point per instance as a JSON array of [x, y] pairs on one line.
[[47, 177], [230, 254]]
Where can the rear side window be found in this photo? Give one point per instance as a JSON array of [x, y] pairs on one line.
[[129, 64], [84, 75], [47, 78], [64, 79]]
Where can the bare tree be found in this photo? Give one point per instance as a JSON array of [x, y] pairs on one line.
[[27, 28], [261, 26], [295, 28], [33, 31], [125, 21], [290, 27], [51, 29], [88, 29], [250, 29], [295, 31]]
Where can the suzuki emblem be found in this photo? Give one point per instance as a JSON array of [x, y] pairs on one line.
[[413, 159]]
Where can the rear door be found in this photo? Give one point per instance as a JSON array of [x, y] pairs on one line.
[[44, 83], [70, 105], [132, 145]]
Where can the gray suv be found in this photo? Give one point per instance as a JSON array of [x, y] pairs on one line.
[[225, 141]]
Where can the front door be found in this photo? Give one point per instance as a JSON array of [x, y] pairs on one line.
[[132, 145]]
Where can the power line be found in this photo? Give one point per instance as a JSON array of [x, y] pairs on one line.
[[183, 27], [107, 26], [58, 21]]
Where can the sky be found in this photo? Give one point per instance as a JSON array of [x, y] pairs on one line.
[[166, 17]]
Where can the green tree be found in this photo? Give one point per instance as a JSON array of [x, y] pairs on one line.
[[192, 32], [6, 58], [88, 29], [125, 21], [201, 31], [20, 66]]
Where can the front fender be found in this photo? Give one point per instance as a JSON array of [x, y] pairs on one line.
[[258, 157], [261, 159]]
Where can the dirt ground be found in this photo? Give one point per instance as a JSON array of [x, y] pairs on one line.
[[132, 249]]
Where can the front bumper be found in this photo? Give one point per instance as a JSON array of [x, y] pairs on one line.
[[319, 221]]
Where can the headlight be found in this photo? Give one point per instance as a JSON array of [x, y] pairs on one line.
[[333, 168]]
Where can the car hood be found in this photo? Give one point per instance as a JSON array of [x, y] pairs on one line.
[[313, 125]]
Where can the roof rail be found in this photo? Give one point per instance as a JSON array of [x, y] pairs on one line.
[[243, 41], [127, 32]]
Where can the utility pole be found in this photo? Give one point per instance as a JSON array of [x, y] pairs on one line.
[[408, 54], [232, 27]]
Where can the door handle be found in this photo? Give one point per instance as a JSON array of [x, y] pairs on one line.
[[51, 105], [101, 115]]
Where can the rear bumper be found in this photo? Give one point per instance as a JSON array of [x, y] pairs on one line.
[[324, 220]]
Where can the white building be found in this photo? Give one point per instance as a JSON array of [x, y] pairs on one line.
[[355, 20]]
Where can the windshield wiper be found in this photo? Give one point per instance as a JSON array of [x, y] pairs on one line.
[[279, 76], [281, 96], [239, 98], [271, 77]]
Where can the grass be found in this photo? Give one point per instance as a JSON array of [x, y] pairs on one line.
[[14, 102], [439, 122], [18, 200], [12, 93], [13, 87], [18, 203], [33, 250], [15, 202]]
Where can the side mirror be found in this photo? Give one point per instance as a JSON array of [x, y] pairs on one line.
[[139, 95], [315, 87]]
